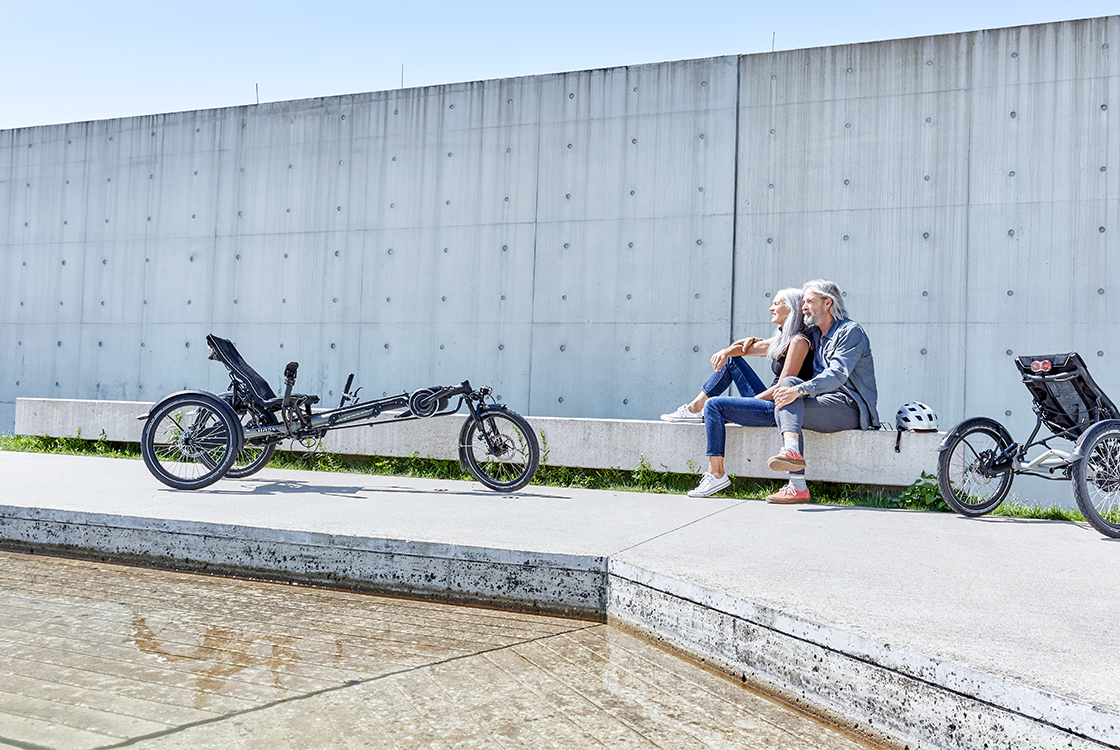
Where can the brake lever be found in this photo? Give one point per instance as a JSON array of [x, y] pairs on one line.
[[346, 391]]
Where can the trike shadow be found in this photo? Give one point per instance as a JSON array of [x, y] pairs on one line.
[[262, 488]]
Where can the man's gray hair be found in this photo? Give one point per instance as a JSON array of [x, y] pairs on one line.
[[829, 289]]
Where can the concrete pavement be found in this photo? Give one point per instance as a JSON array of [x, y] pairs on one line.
[[927, 629]]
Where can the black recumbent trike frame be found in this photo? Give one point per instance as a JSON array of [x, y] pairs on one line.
[[191, 439], [978, 459]]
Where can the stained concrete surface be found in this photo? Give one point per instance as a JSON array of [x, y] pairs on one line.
[[94, 655]]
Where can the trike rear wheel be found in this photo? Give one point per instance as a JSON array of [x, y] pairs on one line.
[[960, 476], [190, 442], [1096, 478], [253, 456], [500, 450]]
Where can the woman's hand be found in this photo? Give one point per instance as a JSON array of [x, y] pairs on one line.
[[738, 349], [719, 359]]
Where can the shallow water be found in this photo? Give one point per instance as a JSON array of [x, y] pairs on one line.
[[94, 655]]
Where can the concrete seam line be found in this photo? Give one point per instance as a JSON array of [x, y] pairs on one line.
[[878, 665], [678, 528], [332, 689]]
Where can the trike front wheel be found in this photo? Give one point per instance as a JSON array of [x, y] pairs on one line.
[[1096, 478], [961, 467], [190, 442], [500, 450]]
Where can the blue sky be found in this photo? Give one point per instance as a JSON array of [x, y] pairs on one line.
[[74, 61]]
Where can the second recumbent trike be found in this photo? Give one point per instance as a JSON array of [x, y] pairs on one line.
[[978, 459]]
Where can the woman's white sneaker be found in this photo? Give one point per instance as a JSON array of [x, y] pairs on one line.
[[682, 414], [710, 485]]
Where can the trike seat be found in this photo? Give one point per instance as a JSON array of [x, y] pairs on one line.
[[257, 388], [1068, 399]]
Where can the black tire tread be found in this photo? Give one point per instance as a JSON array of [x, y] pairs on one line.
[[944, 460], [228, 426], [1079, 473], [468, 433]]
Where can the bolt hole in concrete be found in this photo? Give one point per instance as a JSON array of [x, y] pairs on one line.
[[98, 655]]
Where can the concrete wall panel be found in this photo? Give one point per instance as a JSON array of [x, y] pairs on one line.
[[1033, 259], [839, 155], [623, 368], [109, 357], [672, 272]]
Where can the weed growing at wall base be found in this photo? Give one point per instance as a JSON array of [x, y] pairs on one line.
[[73, 446], [921, 495]]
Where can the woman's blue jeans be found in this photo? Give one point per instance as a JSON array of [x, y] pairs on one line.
[[745, 410]]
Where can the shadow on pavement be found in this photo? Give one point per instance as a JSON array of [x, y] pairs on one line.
[[251, 487]]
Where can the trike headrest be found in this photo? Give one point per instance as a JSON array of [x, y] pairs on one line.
[[1049, 364]]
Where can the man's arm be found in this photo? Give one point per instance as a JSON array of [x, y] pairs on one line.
[[851, 346]]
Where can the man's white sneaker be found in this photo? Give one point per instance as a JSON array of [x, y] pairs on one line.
[[682, 414], [710, 485]]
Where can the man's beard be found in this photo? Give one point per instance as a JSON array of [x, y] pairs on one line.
[[810, 320]]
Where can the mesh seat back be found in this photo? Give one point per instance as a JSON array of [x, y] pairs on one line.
[[226, 353], [1068, 398]]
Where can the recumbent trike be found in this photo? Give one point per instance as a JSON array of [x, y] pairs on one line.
[[978, 459], [191, 439]]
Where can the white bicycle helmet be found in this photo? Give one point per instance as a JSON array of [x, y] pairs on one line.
[[916, 417]]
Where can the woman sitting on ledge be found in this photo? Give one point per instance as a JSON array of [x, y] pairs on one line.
[[789, 351]]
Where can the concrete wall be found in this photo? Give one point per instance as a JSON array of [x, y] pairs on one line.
[[583, 241], [541, 235]]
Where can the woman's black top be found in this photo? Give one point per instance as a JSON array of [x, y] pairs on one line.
[[806, 371]]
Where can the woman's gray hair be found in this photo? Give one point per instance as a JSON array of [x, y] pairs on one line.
[[795, 323], [829, 289]]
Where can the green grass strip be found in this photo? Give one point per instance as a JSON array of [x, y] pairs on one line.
[[921, 495]]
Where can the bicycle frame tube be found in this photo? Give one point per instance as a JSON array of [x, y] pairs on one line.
[[366, 413]]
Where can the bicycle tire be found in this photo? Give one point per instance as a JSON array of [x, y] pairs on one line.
[[253, 456], [1096, 477], [190, 441], [509, 460], [963, 487]]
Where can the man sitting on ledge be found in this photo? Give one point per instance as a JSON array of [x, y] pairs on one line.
[[841, 396]]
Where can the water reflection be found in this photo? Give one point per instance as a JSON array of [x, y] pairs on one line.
[[221, 652]]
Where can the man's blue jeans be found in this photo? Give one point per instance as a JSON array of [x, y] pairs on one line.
[[745, 410]]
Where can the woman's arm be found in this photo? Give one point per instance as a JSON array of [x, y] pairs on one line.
[[758, 348], [748, 347], [795, 357]]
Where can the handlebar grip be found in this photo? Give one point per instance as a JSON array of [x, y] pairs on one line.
[[289, 381]]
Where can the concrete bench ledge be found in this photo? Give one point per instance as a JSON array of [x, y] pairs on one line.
[[851, 456]]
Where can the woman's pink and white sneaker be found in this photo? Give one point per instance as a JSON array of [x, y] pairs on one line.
[[788, 496]]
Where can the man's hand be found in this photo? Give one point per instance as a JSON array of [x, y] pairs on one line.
[[785, 396]]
